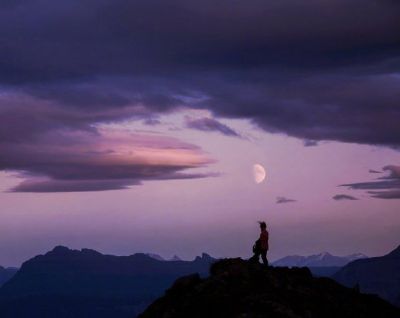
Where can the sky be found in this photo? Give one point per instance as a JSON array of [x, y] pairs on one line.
[[134, 126]]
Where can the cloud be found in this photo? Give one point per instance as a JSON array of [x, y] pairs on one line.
[[280, 200], [374, 171], [43, 185], [67, 68], [106, 159], [210, 124], [59, 149], [50, 185], [394, 171], [152, 121], [342, 197], [310, 143], [334, 77], [386, 187], [395, 194], [191, 34]]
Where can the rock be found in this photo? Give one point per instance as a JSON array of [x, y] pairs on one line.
[[238, 288]]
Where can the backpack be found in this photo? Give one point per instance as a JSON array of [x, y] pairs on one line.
[[257, 246]]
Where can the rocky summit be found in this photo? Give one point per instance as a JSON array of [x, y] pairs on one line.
[[238, 288]]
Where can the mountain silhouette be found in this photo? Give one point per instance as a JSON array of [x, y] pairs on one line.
[[376, 275], [238, 288], [86, 283], [321, 265], [6, 274], [317, 260]]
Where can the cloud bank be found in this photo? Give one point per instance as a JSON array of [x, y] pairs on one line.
[[316, 70], [333, 77], [101, 160]]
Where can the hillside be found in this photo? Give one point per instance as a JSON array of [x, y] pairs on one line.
[[377, 275], [238, 288], [6, 274]]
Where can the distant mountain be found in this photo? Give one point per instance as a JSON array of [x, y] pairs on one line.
[[376, 275], [238, 288], [160, 258], [319, 260], [6, 274], [205, 258], [86, 283], [155, 256], [175, 258]]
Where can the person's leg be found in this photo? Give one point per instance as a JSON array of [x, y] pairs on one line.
[[264, 257]]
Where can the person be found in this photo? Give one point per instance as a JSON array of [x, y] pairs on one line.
[[261, 247]]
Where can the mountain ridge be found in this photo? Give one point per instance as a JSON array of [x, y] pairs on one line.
[[90, 283], [318, 260], [377, 275]]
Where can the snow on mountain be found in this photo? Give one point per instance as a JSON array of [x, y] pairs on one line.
[[317, 260]]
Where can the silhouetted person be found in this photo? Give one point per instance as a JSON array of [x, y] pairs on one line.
[[261, 245]]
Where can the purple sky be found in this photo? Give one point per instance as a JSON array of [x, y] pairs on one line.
[[130, 126]]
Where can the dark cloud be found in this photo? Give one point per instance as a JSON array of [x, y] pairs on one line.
[[395, 194], [374, 171], [95, 38], [10, 4], [387, 187], [328, 78], [280, 200], [48, 186], [210, 124], [342, 197], [78, 97], [310, 143], [316, 70], [56, 185]]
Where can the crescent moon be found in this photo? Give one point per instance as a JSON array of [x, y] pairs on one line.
[[259, 173]]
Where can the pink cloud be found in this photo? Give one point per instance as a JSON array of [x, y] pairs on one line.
[[106, 160]]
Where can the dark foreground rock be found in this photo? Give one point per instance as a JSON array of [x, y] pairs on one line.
[[238, 288]]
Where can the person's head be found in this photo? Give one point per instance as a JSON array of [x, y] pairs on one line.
[[263, 225]]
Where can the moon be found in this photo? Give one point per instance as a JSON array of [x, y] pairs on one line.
[[259, 173]]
